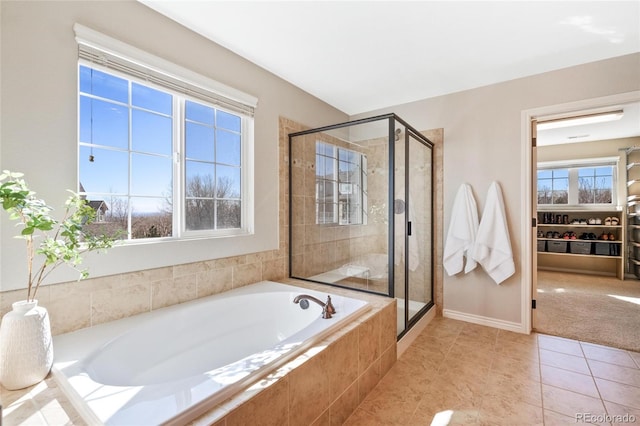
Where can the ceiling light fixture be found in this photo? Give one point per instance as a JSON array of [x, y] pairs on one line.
[[599, 117]]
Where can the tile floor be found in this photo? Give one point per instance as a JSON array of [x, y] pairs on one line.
[[466, 374]]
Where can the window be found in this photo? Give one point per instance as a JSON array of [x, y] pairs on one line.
[[341, 185], [162, 164], [585, 183], [553, 186]]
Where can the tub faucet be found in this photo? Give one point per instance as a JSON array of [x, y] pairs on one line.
[[327, 308]]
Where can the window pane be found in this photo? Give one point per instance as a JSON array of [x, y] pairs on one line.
[[586, 171], [199, 142], [320, 165], [228, 214], [329, 191], [200, 113], [228, 121], [228, 183], [544, 174], [104, 123], [104, 85], [329, 168], [199, 214], [199, 181], [151, 175], [228, 148], [151, 99], [115, 216], [561, 173], [151, 133], [150, 218], [107, 173]]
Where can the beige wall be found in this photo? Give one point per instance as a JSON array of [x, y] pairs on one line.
[[483, 142], [39, 120]]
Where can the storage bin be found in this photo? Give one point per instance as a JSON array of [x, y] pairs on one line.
[[542, 245], [557, 246], [580, 247], [603, 249]]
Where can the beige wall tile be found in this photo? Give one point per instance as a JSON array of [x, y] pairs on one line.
[[343, 368], [270, 406], [368, 343], [388, 325], [171, 291], [309, 392], [344, 405], [70, 313], [274, 269], [214, 281], [368, 380], [108, 305], [247, 274]]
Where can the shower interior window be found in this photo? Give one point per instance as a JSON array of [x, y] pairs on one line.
[[341, 185]]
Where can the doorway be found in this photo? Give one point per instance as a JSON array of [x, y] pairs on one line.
[[563, 270]]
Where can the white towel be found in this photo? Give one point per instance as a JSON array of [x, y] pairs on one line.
[[492, 248], [462, 232]]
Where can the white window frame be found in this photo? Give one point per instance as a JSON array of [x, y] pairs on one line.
[[241, 104], [572, 166], [336, 219]]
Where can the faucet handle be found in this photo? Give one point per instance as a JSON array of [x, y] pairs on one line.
[[329, 306]]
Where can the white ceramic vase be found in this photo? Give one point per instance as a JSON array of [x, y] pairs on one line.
[[26, 347]]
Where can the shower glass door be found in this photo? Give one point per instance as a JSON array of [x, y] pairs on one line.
[[360, 211], [419, 238]]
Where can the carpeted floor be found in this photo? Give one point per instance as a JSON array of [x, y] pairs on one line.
[[589, 308]]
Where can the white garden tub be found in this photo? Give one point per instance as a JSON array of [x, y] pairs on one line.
[[171, 365]]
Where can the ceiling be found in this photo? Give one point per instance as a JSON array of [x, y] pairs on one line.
[[360, 56]]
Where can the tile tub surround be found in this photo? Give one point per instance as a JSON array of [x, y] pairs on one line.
[[327, 382]]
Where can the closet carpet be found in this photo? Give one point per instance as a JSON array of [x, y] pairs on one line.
[[589, 308]]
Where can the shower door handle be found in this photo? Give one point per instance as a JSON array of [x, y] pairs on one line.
[[409, 228]]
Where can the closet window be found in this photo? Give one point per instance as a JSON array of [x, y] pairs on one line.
[[577, 184]]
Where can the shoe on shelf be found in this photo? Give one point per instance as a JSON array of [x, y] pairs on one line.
[[607, 221], [598, 221], [612, 237], [592, 221], [615, 221]]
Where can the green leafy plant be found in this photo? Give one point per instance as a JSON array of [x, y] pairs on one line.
[[50, 242]]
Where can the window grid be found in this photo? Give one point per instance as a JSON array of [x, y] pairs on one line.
[[340, 185], [588, 185], [133, 142]]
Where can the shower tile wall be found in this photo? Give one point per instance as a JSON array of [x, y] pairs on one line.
[[322, 248]]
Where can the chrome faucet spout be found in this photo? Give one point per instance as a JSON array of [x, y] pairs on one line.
[[327, 308]]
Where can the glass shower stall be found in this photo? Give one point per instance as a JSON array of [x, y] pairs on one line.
[[361, 211]]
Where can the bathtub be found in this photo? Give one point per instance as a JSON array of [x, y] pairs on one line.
[[173, 364]]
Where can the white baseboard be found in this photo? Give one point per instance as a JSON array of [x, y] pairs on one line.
[[490, 322]]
